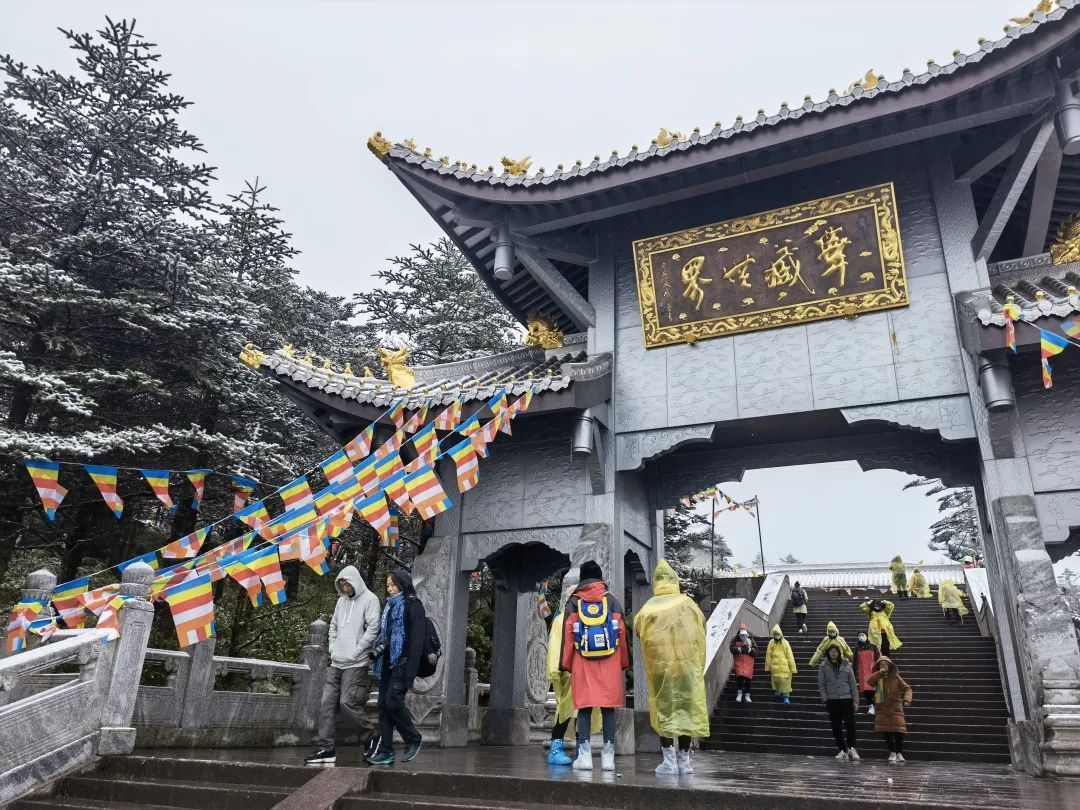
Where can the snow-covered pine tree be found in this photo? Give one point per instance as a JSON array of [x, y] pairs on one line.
[[957, 534]]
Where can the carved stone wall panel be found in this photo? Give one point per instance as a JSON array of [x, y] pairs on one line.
[[1059, 513], [918, 222], [774, 396], [854, 386], [931, 378], [840, 346], [635, 507], [927, 328], [1050, 422], [700, 382], [633, 448], [502, 477], [638, 373], [767, 356], [536, 684], [479, 546], [544, 511], [641, 414], [552, 471], [949, 416]]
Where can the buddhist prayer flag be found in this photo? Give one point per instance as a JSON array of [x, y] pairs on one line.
[[109, 617], [449, 419], [297, 493], [67, 599], [543, 606], [428, 457], [187, 546], [337, 468], [470, 425], [1071, 327], [387, 467], [264, 562], [393, 533], [295, 519], [192, 607], [96, 600], [397, 413], [522, 403], [198, 481], [24, 612], [348, 491], [366, 475], [248, 579], [150, 558], [376, 513], [427, 493], [105, 478], [1050, 345], [244, 487], [171, 576], [394, 486], [234, 546], [358, 449], [257, 518], [313, 549], [46, 475], [389, 447], [425, 440], [479, 443], [45, 628], [468, 467], [497, 403], [159, 482], [416, 420], [326, 499], [1012, 313]]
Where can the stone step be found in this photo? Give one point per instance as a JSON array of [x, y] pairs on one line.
[[173, 792], [804, 713], [870, 749], [820, 726], [391, 801], [137, 766], [76, 803]]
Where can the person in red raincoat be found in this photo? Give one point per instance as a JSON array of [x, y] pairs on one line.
[[866, 658], [742, 663], [596, 670]]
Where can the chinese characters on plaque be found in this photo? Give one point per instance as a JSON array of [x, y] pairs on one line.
[[834, 257]]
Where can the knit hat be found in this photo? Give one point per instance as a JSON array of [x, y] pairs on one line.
[[590, 569]]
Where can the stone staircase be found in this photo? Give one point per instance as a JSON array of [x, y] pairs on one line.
[[959, 712]]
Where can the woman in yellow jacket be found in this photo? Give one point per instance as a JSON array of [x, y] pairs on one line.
[[672, 632], [560, 682], [918, 586], [880, 630], [780, 663], [951, 601]]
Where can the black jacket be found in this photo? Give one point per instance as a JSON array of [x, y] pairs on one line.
[[415, 627]]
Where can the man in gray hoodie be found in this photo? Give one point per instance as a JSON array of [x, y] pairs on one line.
[[353, 629]]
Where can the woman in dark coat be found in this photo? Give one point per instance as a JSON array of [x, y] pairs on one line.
[[397, 653], [891, 695]]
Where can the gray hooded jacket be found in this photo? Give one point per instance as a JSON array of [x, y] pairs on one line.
[[355, 624]]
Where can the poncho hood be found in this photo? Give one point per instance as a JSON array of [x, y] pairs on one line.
[[665, 580]]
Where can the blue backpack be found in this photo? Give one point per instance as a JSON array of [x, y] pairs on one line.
[[596, 631]]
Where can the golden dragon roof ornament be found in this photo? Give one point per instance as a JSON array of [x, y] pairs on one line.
[[516, 168], [379, 145]]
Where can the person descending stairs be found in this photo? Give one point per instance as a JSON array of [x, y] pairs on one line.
[[959, 713]]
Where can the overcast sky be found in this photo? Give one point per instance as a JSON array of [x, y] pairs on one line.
[[290, 92]]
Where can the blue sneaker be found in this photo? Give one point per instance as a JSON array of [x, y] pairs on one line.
[[557, 754], [411, 751], [787, 699], [381, 758]]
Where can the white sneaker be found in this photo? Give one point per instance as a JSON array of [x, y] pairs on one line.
[[746, 698], [871, 710], [583, 762], [892, 757], [607, 757], [900, 758], [668, 767], [685, 765], [738, 696], [853, 754], [842, 756]]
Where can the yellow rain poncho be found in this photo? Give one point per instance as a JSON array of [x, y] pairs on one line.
[[899, 574], [918, 585], [672, 633], [949, 597], [845, 649], [780, 662], [560, 681], [881, 622]]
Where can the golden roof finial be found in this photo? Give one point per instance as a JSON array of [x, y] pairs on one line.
[[367, 374], [665, 138], [868, 82], [516, 168], [394, 361], [543, 332], [1066, 246], [1043, 7], [326, 365], [307, 359], [288, 350], [379, 145], [348, 369], [410, 143], [251, 356]]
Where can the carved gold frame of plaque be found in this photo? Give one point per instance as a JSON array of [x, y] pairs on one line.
[[894, 294]]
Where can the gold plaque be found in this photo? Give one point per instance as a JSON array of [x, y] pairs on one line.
[[839, 256]]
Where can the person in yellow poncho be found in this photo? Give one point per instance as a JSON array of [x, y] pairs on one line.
[[832, 636], [880, 630], [918, 586], [560, 681], [780, 663], [899, 576], [951, 601], [672, 632]]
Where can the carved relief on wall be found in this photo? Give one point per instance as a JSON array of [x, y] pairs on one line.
[[536, 684], [838, 256]]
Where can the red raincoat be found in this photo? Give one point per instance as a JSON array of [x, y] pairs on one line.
[[595, 681], [742, 658], [865, 663]]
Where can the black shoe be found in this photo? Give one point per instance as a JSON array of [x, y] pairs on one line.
[[322, 756], [383, 758], [371, 746], [411, 751]]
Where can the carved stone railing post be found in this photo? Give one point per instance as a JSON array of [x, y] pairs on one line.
[[317, 658], [128, 652], [472, 694], [37, 586], [198, 684]]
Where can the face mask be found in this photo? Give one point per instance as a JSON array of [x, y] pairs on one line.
[[776, 638], [742, 634], [862, 638], [832, 634]]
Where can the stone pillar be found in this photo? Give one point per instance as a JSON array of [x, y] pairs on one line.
[[645, 738], [317, 658], [37, 587], [507, 719], [128, 652], [472, 695], [199, 684]]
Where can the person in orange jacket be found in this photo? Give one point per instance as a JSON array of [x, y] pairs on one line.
[[742, 663]]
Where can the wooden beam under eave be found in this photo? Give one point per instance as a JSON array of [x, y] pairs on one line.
[[1047, 172], [580, 312], [1010, 189]]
